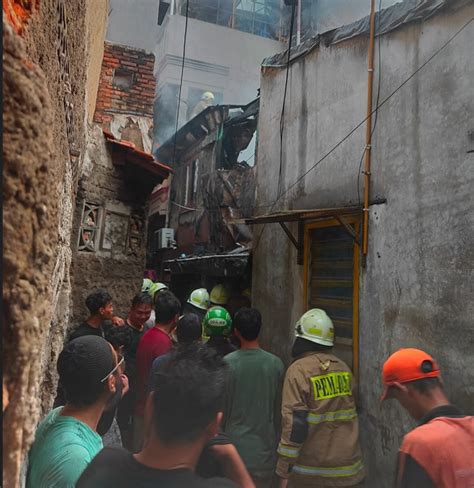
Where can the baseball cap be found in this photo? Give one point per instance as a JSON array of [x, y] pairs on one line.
[[85, 361], [407, 365]]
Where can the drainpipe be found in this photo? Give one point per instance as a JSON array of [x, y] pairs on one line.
[[368, 130]]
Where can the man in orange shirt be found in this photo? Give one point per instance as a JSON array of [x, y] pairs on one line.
[[438, 453]]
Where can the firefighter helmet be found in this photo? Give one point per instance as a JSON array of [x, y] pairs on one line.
[[199, 298], [155, 287], [220, 295], [316, 326], [146, 285]]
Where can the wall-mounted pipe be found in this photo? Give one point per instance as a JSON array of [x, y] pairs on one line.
[[368, 131]]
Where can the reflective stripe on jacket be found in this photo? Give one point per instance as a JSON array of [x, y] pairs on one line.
[[320, 433]]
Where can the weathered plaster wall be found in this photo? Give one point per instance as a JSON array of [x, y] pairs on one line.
[[118, 271], [30, 239], [96, 24], [44, 140], [417, 286], [133, 23]]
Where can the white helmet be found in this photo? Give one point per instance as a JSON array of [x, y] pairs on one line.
[[316, 326], [156, 287], [200, 299], [146, 285], [208, 96]]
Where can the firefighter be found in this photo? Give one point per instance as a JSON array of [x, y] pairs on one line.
[[319, 444], [198, 303], [217, 325], [152, 289], [439, 451], [220, 295]]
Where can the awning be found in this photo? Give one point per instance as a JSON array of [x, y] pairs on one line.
[[144, 169], [300, 215], [223, 265]]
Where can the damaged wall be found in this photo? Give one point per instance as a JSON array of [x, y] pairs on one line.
[[45, 88], [126, 93], [205, 198], [118, 259], [417, 285]]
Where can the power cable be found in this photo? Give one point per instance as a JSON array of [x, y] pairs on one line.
[[399, 87], [384, 101], [181, 79], [378, 106], [282, 116]]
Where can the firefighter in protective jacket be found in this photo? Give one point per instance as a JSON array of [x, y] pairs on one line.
[[319, 444]]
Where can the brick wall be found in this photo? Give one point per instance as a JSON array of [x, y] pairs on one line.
[[137, 99]]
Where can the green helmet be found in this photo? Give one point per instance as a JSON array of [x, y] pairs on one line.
[[217, 322]]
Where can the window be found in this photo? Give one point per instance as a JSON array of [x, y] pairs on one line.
[[89, 230], [191, 182], [261, 17], [106, 230], [332, 282], [123, 79]]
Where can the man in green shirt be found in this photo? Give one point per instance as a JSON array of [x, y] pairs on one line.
[[66, 441], [253, 399]]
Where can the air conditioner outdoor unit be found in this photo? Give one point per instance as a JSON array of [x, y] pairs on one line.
[[165, 238]]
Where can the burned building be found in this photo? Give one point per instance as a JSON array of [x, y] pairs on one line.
[[213, 184], [118, 176]]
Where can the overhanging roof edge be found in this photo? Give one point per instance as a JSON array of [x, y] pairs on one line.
[[299, 215]]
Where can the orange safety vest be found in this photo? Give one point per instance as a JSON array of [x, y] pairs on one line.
[[444, 448]]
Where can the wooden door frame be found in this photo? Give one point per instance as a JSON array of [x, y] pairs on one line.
[[308, 227]]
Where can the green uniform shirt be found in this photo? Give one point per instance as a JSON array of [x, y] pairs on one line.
[[62, 449], [252, 401]]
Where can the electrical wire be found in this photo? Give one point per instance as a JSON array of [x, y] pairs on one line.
[[181, 79], [282, 116], [384, 101], [378, 106], [381, 104], [379, 68]]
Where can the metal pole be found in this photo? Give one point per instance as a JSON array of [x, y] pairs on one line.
[[368, 131]]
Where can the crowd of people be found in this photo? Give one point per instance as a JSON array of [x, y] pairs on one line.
[[174, 396]]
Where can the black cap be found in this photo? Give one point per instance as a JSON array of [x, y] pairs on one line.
[[85, 360]]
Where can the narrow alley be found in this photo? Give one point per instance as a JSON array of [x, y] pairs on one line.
[[238, 243]]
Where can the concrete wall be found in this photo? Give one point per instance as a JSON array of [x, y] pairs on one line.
[[117, 270], [133, 23], [330, 14], [96, 24], [416, 288], [47, 80], [219, 59]]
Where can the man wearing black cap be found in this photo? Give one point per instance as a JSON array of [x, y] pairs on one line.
[[183, 414], [66, 440]]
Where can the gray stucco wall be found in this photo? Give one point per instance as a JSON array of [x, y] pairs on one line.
[[133, 23], [417, 287]]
